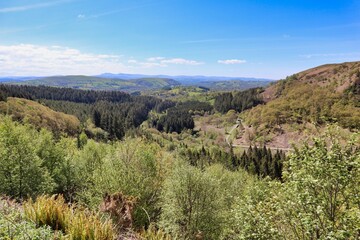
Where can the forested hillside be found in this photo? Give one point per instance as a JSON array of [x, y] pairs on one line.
[[328, 93], [112, 111], [306, 102], [40, 116], [83, 164]]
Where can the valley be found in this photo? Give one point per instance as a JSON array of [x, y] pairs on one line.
[[80, 161], [179, 120]]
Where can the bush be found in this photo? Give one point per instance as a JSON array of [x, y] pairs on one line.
[[135, 168], [22, 171], [196, 203]]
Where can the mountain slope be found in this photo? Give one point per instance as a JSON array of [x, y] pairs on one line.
[[308, 100], [334, 77]]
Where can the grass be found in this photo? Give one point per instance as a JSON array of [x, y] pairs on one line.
[[13, 224], [152, 233], [74, 222]]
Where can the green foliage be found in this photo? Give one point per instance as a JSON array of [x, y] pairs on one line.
[[179, 117], [254, 215], [210, 197], [32, 162], [191, 204], [196, 204], [134, 168], [22, 171], [174, 121], [258, 161], [322, 181], [319, 198]]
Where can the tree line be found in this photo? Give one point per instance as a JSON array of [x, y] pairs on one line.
[[238, 101], [257, 161]]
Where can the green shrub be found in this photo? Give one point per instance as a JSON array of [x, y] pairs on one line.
[[135, 168], [22, 171], [190, 204]]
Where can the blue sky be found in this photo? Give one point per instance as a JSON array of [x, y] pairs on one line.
[[245, 38]]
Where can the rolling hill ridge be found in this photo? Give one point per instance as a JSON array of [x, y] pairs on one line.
[[305, 102]]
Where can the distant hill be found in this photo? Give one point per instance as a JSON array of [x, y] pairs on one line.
[[231, 85], [308, 100], [98, 83], [17, 79], [185, 80], [138, 82]]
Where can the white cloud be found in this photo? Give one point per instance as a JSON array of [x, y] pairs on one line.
[[164, 62], [27, 59], [33, 6], [181, 61], [81, 16], [153, 59], [231, 61], [35, 60]]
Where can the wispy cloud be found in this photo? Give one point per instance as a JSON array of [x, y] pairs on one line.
[[181, 61], [164, 62], [231, 61], [282, 37], [82, 16], [208, 40], [32, 6], [154, 59]]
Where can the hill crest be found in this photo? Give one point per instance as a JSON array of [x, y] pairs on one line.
[[333, 77]]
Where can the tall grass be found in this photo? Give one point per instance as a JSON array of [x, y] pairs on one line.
[[74, 222], [152, 233]]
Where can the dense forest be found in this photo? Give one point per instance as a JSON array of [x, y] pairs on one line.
[[78, 164], [257, 161], [179, 117], [238, 101]]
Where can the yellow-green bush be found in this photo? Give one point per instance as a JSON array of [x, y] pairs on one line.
[[74, 222]]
